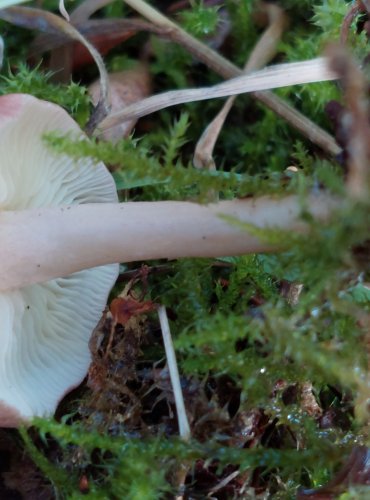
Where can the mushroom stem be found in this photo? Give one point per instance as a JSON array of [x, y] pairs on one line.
[[45, 243]]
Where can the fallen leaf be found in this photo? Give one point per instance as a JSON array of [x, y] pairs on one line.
[[126, 87], [122, 309]]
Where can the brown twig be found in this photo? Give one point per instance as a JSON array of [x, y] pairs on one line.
[[347, 21], [357, 120]]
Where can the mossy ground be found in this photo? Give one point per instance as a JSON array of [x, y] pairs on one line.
[[272, 349]]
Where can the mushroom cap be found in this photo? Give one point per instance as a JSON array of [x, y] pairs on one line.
[[45, 328]]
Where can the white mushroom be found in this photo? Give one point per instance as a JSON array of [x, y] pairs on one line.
[[45, 328], [58, 219]]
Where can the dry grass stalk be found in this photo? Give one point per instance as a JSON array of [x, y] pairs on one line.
[[227, 69], [63, 10], [259, 57], [279, 75], [184, 427]]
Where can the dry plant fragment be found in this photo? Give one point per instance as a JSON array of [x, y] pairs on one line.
[[353, 11], [276, 76], [167, 29], [356, 121], [184, 427], [87, 8], [227, 69], [261, 55], [180, 474], [63, 10], [126, 87]]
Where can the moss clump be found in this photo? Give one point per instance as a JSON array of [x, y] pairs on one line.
[[273, 349]]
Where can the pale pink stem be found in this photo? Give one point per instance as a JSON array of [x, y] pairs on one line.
[[40, 244]]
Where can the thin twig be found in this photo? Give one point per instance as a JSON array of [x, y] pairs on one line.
[[184, 427], [355, 93], [224, 482], [347, 21]]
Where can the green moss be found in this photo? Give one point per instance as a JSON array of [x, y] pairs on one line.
[[73, 97], [200, 20], [130, 460], [229, 317]]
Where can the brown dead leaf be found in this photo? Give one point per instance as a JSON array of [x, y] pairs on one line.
[[123, 308], [104, 34], [74, 56], [126, 87]]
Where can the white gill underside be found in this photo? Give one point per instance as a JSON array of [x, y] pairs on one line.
[[44, 338], [45, 329]]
